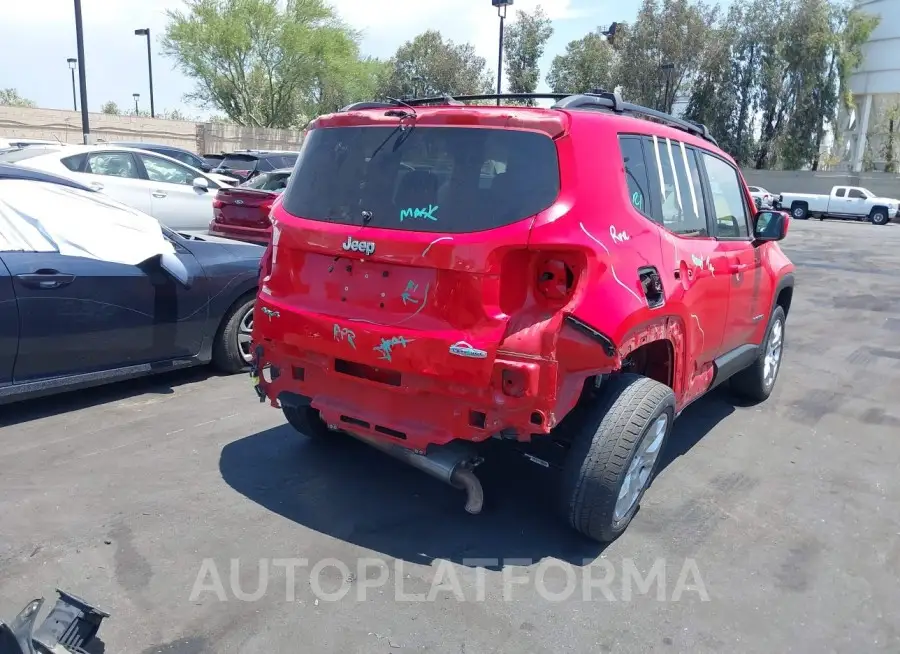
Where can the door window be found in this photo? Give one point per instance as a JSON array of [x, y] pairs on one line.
[[679, 191], [856, 194], [636, 178], [728, 199], [112, 164], [183, 157], [169, 172]]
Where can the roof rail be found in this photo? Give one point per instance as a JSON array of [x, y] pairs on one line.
[[598, 97], [595, 99], [359, 106], [453, 100], [611, 101]]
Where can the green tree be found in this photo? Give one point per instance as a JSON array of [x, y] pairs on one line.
[[523, 47], [429, 66], [588, 63], [110, 108], [725, 92], [660, 53], [263, 63], [11, 98], [892, 122], [713, 100], [347, 81]]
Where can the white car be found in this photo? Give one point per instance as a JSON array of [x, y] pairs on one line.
[[174, 193], [20, 143], [761, 197]]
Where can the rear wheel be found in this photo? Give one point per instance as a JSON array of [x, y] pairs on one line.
[[616, 448], [879, 216], [757, 381], [232, 347]]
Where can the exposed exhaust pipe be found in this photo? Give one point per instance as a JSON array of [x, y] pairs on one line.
[[452, 464]]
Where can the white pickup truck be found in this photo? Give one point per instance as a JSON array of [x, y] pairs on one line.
[[851, 202]]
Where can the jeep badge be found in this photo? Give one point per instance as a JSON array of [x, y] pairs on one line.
[[352, 245]]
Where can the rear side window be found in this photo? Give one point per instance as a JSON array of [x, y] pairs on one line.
[[636, 177], [679, 191], [74, 163], [424, 179]]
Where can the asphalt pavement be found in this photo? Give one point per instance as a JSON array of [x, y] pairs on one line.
[[771, 528]]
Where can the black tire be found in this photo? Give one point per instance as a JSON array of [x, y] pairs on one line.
[[227, 355], [307, 421], [607, 434], [879, 216], [751, 382], [799, 211]]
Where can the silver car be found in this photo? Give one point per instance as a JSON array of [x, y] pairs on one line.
[[761, 197]]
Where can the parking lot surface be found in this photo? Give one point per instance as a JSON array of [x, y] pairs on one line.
[[777, 526]]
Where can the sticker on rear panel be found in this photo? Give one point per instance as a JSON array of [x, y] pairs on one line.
[[386, 348], [463, 349]]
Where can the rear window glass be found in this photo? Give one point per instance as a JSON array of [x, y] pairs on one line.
[[282, 160], [425, 179], [268, 182], [238, 161]]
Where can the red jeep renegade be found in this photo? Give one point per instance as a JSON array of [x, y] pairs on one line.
[[442, 273]]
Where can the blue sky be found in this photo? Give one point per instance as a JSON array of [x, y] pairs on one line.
[[34, 45]]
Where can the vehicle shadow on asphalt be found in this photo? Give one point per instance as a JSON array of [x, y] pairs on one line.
[[351, 492], [44, 407]]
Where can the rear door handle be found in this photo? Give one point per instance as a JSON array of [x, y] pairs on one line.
[[738, 267], [45, 279], [160, 194]]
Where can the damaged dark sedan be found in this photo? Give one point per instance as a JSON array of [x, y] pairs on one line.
[[93, 292]]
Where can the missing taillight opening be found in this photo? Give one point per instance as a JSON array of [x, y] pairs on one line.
[[556, 279]]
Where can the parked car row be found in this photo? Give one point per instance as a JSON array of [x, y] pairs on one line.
[[169, 299], [177, 187]]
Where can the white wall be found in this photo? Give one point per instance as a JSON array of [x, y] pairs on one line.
[[880, 70]]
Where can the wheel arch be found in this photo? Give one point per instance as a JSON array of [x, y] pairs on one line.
[[654, 350], [784, 293]]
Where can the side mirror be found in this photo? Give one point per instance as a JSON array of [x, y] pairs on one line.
[[201, 183], [770, 226]]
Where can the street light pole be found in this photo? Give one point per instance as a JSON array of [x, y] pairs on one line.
[[72, 61], [79, 39], [501, 6], [667, 68], [136, 96], [146, 32]]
